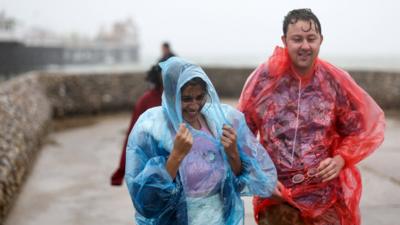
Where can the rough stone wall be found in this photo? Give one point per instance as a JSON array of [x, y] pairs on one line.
[[228, 82], [384, 87], [24, 116], [72, 94]]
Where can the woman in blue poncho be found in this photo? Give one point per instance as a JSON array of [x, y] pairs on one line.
[[189, 160]]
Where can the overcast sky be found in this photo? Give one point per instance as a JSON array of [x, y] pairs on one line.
[[223, 27]]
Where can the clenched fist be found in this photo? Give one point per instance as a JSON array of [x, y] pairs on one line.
[[228, 140], [182, 145], [183, 142]]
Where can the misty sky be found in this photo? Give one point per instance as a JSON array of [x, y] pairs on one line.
[[223, 27]]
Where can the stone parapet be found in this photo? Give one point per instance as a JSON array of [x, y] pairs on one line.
[[74, 94], [24, 115], [384, 87]]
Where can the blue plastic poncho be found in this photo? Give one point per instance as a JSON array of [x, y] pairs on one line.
[[205, 190]]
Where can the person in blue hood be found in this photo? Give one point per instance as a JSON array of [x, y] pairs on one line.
[[189, 160]]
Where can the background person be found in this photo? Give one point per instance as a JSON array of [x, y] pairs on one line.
[[149, 99]]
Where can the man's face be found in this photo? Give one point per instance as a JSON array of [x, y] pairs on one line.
[[302, 42]]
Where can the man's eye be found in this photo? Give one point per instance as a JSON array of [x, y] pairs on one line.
[[297, 40]]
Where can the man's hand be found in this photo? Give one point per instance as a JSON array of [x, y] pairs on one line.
[[330, 168]]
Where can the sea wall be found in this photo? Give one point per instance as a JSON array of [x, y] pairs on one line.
[[74, 94], [25, 113]]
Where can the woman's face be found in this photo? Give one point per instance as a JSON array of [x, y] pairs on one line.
[[193, 98]]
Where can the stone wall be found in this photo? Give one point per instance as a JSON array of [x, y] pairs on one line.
[[29, 102], [384, 87], [72, 94], [24, 115], [228, 82]]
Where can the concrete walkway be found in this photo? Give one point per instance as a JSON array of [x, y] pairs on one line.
[[69, 183]]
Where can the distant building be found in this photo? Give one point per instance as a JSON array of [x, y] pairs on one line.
[[7, 27], [122, 33], [37, 47], [118, 45]]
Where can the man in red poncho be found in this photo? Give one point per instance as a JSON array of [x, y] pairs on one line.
[[316, 124]]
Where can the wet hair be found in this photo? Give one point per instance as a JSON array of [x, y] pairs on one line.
[[154, 76], [301, 14], [196, 81]]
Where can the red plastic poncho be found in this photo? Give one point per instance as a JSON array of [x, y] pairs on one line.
[[302, 121]]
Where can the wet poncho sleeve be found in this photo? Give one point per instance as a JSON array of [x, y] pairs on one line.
[[360, 121], [246, 99], [151, 188], [258, 174]]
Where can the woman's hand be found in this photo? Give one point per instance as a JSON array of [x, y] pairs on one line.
[[228, 140], [182, 145], [330, 168], [183, 142]]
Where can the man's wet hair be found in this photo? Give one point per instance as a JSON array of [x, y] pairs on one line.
[[301, 14]]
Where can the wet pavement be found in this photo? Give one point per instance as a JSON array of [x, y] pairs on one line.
[[70, 182]]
